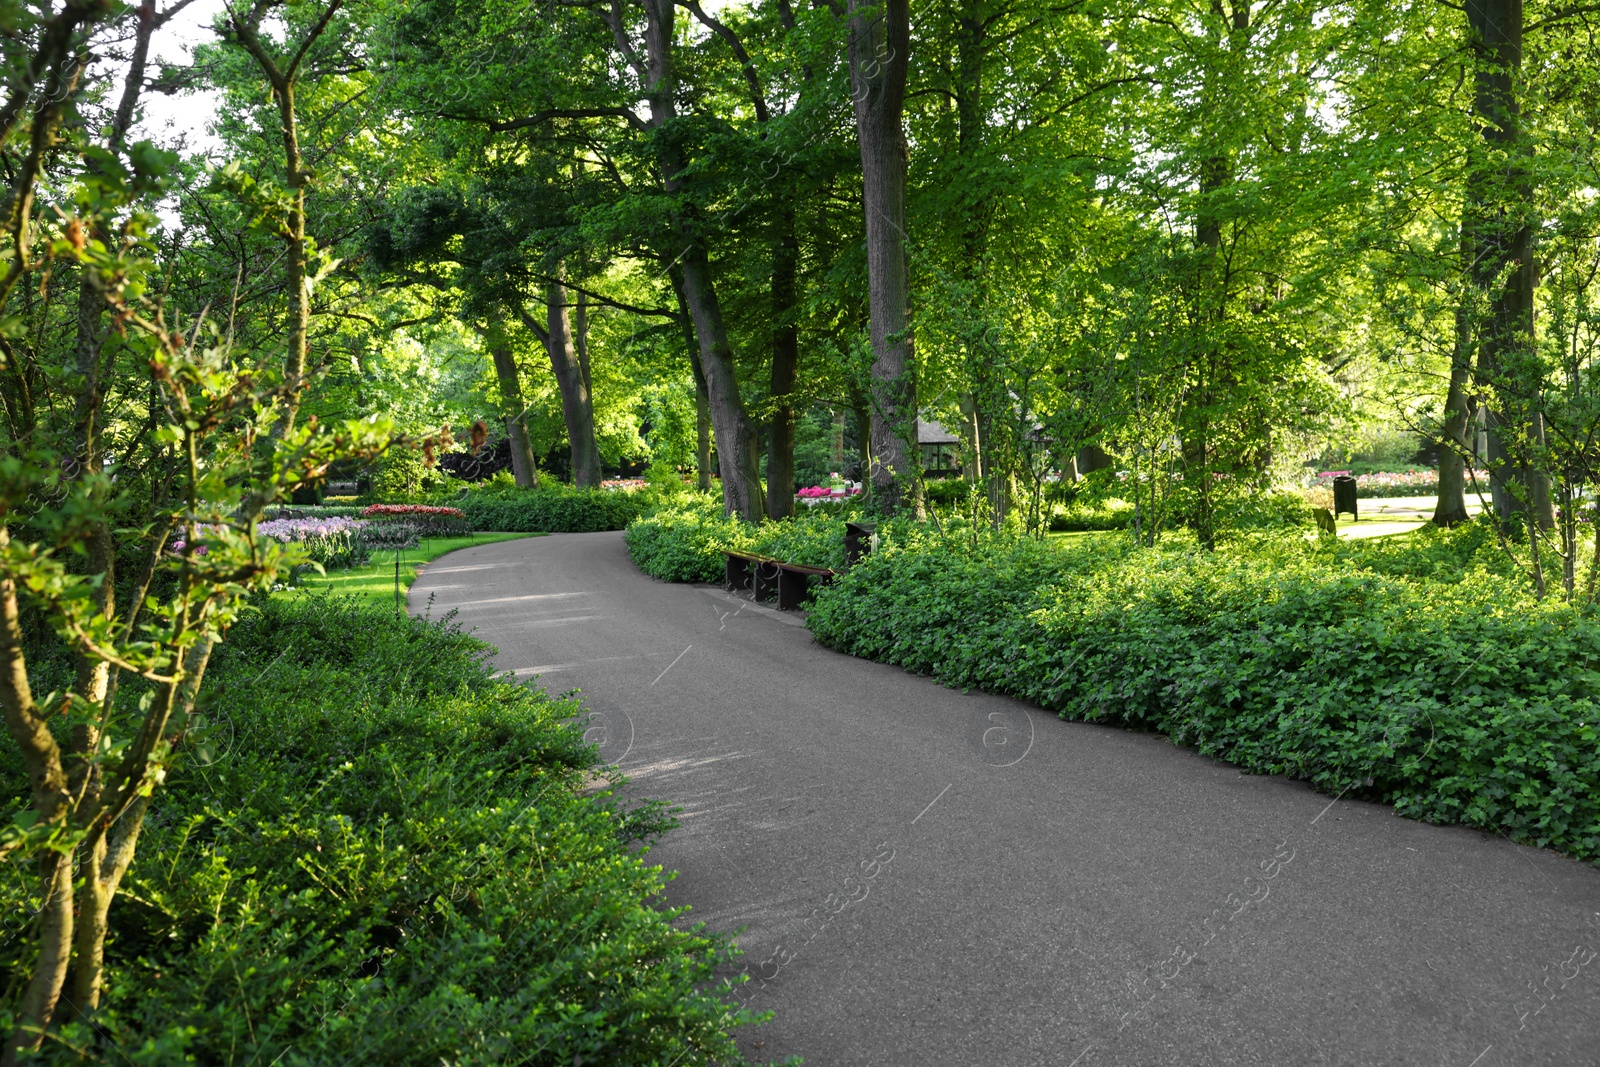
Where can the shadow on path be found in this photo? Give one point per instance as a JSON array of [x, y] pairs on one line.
[[925, 877]]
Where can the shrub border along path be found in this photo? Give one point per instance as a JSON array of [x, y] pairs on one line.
[[933, 877]]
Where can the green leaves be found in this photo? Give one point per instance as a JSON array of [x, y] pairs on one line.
[[317, 885]]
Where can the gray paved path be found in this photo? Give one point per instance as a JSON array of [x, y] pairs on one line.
[[926, 877]]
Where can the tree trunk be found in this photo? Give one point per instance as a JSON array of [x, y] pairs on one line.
[[836, 443], [523, 465], [736, 454], [785, 371], [972, 466], [577, 406], [880, 44], [1211, 309], [858, 407], [702, 402], [1091, 458], [1452, 504], [736, 439], [702, 433], [1500, 192]]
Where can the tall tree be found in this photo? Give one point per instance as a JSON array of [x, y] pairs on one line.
[[569, 361], [524, 467], [880, 56], [1500, 215]]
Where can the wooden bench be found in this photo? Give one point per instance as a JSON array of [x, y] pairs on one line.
[[769, 579]]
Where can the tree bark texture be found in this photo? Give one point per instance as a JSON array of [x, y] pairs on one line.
[[577, 404], [880, 44], [1451, 507], [702, 402]]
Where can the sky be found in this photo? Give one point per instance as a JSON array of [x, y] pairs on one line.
[[183, 115]]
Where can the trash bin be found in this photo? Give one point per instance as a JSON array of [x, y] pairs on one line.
[[1344, 496], [858, 539]]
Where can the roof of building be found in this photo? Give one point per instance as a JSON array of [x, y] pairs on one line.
[[932, 433]]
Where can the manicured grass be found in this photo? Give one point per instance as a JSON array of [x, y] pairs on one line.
[[375, 584]]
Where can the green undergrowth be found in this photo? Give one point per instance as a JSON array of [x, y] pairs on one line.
[[374, 851], [1415, 672], [686, 543]]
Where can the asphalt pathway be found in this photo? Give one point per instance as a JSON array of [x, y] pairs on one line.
[[926, 877]]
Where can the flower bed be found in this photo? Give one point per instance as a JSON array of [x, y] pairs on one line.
[[430, 520], [822, 494], [332, 542]]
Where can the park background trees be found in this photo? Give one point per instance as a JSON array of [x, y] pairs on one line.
[[1190, 244]]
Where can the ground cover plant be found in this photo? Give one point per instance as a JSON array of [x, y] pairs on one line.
[[1421, 675], [317, 887]]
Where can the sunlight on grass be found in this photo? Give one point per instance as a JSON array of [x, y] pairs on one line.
[[375, 582]]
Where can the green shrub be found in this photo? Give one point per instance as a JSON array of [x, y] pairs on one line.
[[393, 857], [814, 539], [1457, 701], [554, 508], [686, 543], [1091, 514], [946, 492]]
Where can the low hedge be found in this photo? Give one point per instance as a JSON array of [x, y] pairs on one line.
[[328, 890], [1456, 700], [554, 508], [310, 511]]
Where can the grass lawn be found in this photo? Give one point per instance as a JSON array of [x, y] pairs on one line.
[[375, 582]]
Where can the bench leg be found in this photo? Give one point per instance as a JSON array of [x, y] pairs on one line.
[[737, 575], [768, 585], [791, 590]]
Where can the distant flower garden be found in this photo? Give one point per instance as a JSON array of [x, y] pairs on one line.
[[1422, 482], [820, 495], [837, 490]]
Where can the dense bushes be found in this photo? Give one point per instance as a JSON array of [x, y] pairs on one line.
[[327, 890], [685, 543], [1455, 700]]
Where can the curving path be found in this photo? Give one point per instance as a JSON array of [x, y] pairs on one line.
[[925, 877]]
